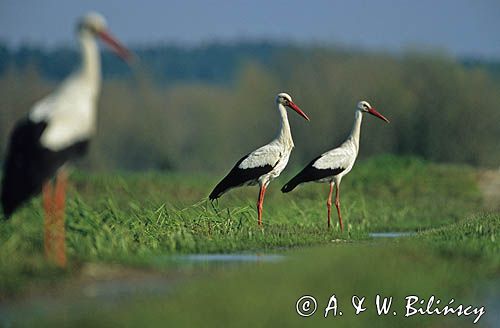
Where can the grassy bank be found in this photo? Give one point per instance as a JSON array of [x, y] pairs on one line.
[[132, 218]]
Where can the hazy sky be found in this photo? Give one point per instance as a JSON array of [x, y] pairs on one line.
[[460, 27]]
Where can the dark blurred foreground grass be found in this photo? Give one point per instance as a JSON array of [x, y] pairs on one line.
[[460, 261]]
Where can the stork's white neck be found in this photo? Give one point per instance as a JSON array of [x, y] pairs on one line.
[[356, 128], [285, 135], [91, 61]]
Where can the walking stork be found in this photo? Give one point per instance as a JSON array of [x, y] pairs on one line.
[[334, 164], [265, 163], [57, 129]]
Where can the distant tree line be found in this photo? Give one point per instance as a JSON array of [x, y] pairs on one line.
[[212, 63], [202, 108]]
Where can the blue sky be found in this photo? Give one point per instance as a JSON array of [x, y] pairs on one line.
[[457, 27]]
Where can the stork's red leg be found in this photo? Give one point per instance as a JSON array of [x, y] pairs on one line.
[[48, 207], [337, 205], [59, 230], [260, 202], [329, 202]]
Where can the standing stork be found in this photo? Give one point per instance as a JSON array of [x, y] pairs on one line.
[[265, 163], [57, 129], [334, 164]]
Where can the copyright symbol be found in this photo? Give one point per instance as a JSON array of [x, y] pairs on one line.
[[306, 306]]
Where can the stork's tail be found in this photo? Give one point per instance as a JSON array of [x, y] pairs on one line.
[[290, 185], [219, 190]]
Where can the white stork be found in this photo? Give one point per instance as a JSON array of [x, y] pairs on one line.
[[334, 164], [57, 129], [265, 163]]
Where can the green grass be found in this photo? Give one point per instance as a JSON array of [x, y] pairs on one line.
[[133, 218], [137, 219], [475, 238]]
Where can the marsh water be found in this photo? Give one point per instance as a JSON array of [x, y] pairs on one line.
[[391, 234]]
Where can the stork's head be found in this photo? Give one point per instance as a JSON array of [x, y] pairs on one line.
[[285, 99], [95, 24], [365, 107]]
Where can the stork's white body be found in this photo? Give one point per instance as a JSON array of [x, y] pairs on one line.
[[343, 156], [70, 111], [276, 153]]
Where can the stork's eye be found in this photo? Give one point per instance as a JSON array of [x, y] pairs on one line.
[[91, 28]]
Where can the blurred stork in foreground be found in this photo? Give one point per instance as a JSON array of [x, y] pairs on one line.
[[334, 164], [57, 129], [265, 163]]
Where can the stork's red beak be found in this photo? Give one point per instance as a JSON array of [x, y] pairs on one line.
[[374, 112], [120, 50], [297, 109]]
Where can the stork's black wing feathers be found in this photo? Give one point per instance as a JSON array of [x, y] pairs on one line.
[[310, 173], [29, 165], [238, 177]]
